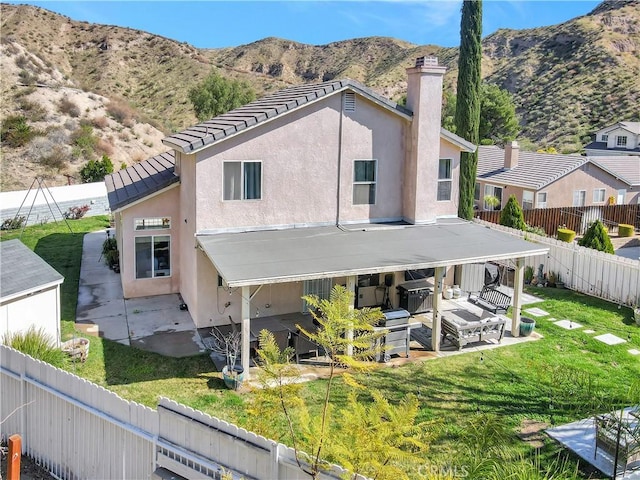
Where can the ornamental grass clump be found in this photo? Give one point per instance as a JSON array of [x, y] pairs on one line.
[[37, 344]]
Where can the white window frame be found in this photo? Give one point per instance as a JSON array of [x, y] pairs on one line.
[[605, 137], [530, 201], [320, 287], [152, 223], [367, 182], [493, 193], [153, 267], [621, 141], [577, 194], [443, 180], [539, 202], [599, 195], [243, 193]]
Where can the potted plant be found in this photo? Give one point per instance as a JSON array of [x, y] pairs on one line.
[[528, 274], [559, 282], [229, 345], [526, 326]]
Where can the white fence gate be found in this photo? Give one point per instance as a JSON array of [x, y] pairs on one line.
[[585, 270], [79, 430]]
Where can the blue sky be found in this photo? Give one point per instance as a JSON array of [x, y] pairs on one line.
[[214, 24]]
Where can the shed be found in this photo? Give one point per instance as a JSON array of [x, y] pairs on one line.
[[29, 292]]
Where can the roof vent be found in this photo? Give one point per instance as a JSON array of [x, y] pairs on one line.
[[349, 102], [426, 61]]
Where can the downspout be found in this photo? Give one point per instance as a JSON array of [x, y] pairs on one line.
[[339, 159]]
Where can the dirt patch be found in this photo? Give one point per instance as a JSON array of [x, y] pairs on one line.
[[532, 432], [29, 470]]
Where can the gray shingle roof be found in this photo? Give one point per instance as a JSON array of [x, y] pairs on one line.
[[626, 168], [22, 271], [603, 146], [534, 170], [208, 132], [140, 180]]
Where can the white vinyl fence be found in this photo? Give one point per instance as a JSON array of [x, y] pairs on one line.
[[79, 430], [585, 270]]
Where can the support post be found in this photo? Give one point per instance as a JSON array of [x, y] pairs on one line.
[[15, 454], [518, 282], [246, 329], [351, 286], [436, 326]]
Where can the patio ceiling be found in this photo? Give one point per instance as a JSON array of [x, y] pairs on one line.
[[296, 254]]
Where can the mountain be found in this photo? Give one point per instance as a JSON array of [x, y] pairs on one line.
[[567, 80]]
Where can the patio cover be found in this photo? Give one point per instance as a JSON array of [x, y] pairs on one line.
[[296, 254]]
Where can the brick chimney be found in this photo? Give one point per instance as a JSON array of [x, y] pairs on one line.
[[511, 151], [424, 99]]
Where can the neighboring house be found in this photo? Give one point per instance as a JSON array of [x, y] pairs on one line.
[[544, 180], [311, 186], [623, 138], [29, 292]]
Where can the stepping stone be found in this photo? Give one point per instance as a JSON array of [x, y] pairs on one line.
[[610, 339], [567, 324], [536, 312], [634, 351], [589, 331]]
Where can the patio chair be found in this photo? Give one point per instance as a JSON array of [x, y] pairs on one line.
[[303, 346]]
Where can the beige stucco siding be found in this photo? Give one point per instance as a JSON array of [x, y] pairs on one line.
[[300, 153], [162, 205]]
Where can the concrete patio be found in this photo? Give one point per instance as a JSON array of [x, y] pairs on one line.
[[157, 324]]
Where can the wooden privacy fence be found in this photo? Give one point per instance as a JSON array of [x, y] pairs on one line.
[[585, 270], [79, 430], [574, 218]]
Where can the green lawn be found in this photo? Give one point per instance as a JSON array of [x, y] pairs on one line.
[[564, 376]]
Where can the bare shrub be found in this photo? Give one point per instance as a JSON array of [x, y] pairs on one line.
[[27, 78], [121, 111], [105, 147], [138, 157], [24, 92], [32, 110], [22, 61], [124, 136], [68, 107], [100, 122], [59, 136], [57, 159]]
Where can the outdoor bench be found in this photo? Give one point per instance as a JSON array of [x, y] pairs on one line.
[[461, 332], [491, 299]]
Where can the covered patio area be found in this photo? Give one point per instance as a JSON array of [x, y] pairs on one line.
[[247, 261]]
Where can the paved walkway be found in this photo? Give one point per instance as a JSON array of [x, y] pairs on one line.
[[150, 323]]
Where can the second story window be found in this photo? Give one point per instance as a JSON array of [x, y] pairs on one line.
[[364, 182], [444, 179], [621, 141], [579, 198], [242, 181]]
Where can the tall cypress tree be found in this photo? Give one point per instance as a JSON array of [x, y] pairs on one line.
[[467, 117]]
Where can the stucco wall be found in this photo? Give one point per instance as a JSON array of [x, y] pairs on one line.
[[632, 139], [560, 193], [40, 310], [162, 205], [300, 154]]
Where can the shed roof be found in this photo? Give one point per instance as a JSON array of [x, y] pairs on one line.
[[140, 180], [279, 103], [296, 254], [23, 271], [534, 170], [603, 146]]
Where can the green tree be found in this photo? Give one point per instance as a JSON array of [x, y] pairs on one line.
[[96, 170], [217, 95], [348, 339], [498, 121], [597, 238], [449, 111], [467, 117], [512, 215]]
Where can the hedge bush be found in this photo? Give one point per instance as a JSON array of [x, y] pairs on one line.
[[566, 235], [625, 230]]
